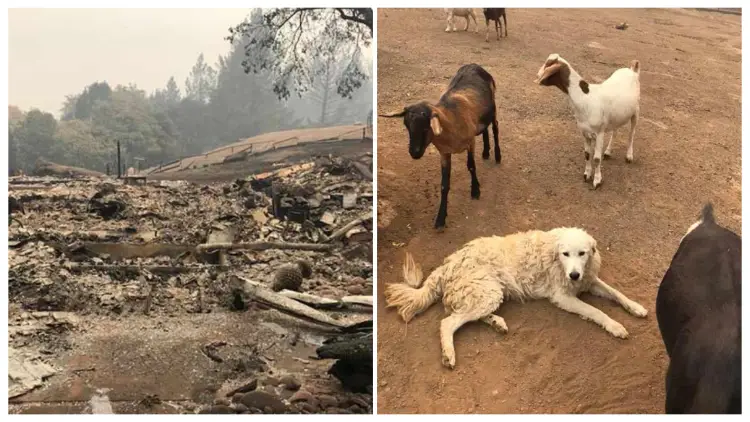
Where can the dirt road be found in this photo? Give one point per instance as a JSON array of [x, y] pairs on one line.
[[687, 151]]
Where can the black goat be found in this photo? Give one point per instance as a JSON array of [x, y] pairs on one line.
[[495, 15], [466, 109], [699, 310]]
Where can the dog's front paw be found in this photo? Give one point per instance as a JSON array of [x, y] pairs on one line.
[[637, 310], [449, 359], [616, 329]]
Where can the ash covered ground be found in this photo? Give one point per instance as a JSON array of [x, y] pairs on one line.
[[119, 303]]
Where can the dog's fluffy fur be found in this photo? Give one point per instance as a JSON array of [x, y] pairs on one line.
[[476, 279]]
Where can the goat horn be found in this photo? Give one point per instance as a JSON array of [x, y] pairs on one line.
[[394, 114]]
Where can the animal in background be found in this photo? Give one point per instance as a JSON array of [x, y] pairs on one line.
[[494, 15], [464, 13]]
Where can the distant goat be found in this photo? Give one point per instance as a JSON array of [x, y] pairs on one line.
[[699, 310], [495, 15], [466, 109], [464, 13], [598, 108]]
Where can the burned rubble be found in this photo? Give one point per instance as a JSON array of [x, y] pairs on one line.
[[98, 249]]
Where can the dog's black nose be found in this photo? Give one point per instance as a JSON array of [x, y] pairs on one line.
[[574, 276]]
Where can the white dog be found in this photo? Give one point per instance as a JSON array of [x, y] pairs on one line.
[[557, 265], [464, 13]]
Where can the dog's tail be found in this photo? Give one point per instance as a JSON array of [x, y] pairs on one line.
[[409, 297]]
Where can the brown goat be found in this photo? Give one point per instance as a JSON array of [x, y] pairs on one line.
[[495, 15], [466, 109]]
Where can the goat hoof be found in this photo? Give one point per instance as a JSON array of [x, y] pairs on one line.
[[485, 155], [607, 156], [629, 159], [475, 194], [595, 186]]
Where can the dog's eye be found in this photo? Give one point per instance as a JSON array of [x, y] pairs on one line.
[[581, 253], [566, 254]]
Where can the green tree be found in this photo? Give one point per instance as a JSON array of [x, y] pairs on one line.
[[76, 145], [288, 41], [34, 138], [244, 105], [129, 118], [201, 82], [94, 93], [167, 98]]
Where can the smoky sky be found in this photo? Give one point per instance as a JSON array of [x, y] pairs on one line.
[[57, 52]]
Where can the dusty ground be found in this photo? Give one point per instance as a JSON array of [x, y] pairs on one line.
[[687, 151]]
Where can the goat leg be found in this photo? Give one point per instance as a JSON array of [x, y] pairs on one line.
[[473, 170], [505, 21], [588, 148], [486, 144], [498, 155], [487, 32], [599, 146], [445, 186]]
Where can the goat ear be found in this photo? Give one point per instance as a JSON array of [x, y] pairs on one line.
[[546, 72], [437, 129], [394, 113]]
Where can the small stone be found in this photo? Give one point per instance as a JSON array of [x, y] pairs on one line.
[[237, 398], [221, 402], [290, 383], [354, 290], [359, 401], [327, 401], [251, 386], [286, 394], [240, 408], [272, 381], [301, 395], [217, 410], [309, 407], [261, 400], [269, 389]]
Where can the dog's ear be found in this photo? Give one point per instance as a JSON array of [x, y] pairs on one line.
[[593, 246]]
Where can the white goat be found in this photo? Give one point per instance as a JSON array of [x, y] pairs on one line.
[[598, 108], [464, 13]]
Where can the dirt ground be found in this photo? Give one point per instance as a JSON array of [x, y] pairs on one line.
[[687, 151]]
